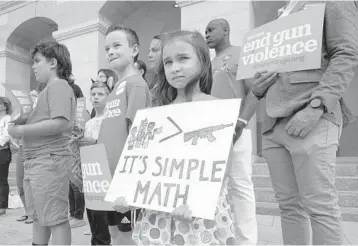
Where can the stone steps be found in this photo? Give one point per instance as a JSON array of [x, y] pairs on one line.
[[346, 198], [346, 184], [266, 208]]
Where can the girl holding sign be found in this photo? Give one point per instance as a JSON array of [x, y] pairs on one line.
[[184, 76]]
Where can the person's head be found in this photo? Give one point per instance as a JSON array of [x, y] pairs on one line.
[[106, 76], [122, 47], [140, 67], [51, 60], [34, 94], [155, 50], [98, 96], [5, 106], [184, 64], [217, 32]]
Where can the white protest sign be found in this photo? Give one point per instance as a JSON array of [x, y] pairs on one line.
[[177, 155]]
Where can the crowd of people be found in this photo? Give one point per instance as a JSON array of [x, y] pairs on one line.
[[304, 117]]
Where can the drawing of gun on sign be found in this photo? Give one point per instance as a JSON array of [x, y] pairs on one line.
[[206, 132]]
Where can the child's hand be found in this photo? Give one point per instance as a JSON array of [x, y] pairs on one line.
[[182, 213], [121, 205]]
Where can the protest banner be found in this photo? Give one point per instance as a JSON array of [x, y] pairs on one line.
[[81, 112], [96, 177], [292, 43], [176, 155], [21, 102]]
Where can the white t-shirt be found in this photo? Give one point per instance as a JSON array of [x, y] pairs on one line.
[[4, 135], [92, 127]]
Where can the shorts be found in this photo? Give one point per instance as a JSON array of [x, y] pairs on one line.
[[46, 188], [123, 221]]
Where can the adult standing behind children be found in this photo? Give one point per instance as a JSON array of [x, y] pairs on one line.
[[5, 153], [225, 86], [301, 130], [46, 145], [130, 94]]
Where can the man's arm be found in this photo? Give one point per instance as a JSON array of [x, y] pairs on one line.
[[341, 38]]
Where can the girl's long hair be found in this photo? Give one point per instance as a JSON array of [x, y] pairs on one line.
[[165, 94]]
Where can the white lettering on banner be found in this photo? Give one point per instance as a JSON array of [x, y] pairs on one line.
[[112, 109], [91, 169], [96, 186], [277, 49]]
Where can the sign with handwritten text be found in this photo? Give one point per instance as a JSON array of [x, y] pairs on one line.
[[96, 177], [176, 155], [291, 43]]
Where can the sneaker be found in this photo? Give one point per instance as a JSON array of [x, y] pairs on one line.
[[88, 233], [75, 223]]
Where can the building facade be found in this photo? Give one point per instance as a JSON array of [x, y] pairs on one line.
[[81, 26]]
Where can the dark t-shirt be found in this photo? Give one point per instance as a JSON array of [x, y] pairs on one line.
[[56, 100], [128, 96]]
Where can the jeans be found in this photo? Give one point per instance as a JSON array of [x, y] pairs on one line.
[[99, 228], [77, 202], [5, 160], [20, 175], [303, 175], [241, 190]]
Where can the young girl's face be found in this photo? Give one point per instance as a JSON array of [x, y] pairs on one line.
[[98, 97], [181, 63]]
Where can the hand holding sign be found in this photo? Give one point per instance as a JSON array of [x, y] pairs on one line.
[[182, 213], [262, 82], [121, 205]]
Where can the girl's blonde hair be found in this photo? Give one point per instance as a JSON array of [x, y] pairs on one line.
[[165, 93]]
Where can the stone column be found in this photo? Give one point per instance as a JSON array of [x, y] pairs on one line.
[[86, 45]]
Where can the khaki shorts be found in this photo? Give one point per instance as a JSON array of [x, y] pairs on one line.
[[46, 188]]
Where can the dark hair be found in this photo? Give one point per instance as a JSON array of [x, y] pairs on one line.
[[54, 50], [142, 65], [165, 93], [100, 85], [109, 73], [132, 36], [7, 104]]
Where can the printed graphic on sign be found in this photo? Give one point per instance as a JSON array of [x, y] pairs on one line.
[[81, 112], [291, 43], [96, 177], [174, 155]]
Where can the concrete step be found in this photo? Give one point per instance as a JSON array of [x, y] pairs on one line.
[[264, 208], [342, 183], [346, 198], [344, 169]]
